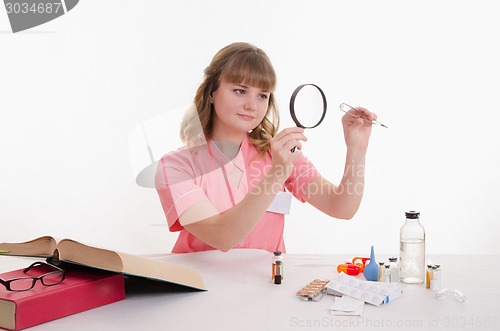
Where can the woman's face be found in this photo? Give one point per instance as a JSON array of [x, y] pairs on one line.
[[239, 108]]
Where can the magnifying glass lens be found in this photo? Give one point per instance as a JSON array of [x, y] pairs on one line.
[[309, 106]]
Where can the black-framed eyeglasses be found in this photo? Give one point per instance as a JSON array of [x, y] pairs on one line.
[[54, 276]]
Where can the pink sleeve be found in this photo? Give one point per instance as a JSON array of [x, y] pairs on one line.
[[176, 187], [303, 173]]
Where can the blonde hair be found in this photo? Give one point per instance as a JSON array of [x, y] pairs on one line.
[[235, 63]]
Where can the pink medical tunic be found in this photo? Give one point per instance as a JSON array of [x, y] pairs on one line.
[[188, 176]]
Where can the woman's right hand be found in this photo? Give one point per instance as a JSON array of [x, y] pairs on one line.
[[281, 151]]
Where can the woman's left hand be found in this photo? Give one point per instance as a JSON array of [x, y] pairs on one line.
[[357, 131]]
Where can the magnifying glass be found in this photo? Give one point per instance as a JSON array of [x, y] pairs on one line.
[[309, 104]]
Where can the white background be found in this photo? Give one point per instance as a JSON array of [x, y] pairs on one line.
[[73, 89]]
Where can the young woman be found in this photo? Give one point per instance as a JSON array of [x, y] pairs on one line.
[[218, 194]]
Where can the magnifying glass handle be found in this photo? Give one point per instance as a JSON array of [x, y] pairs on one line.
[[299, 126]]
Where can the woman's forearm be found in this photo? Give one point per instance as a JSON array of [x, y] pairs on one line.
[[349, 192], [340, 201], [224, 231]]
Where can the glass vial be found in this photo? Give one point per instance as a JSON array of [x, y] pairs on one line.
[[412, 250], [428, 276], [276, 257], [440, 295], [455, 294], [459, 296], [387, 274], [381, 271], [393, 262], [278, 272], [436, 278]]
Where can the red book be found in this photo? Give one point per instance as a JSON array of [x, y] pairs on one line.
[[82, 289]]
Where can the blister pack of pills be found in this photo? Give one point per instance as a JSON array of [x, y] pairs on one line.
[[313, 291], [374, 293]]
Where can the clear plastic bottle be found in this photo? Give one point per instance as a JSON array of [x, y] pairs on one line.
[[412, 250]]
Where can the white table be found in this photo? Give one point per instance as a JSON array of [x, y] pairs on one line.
[[241, 296]]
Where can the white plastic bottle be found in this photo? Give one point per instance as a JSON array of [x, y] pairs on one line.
[[412, 250]]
